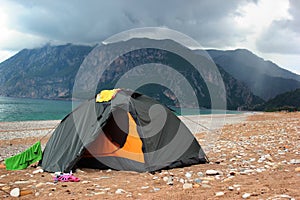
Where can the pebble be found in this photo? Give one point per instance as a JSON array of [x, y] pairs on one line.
[[197, 180], [105, 189], [38, 171], [120, 191], [99, 193], [269, 157], [5, 188], [170, 180], [205, 186], [295, 161], [15, 192], [22, 182], [207, 178], [39, 185], [165, 179], [129, 195], [188, 175], [246, 172], [211, 172], [286, 196], [79, 170], [219, 194], [187, 186], [85, 182], [230, 188], [297, 169], [200, 174], [246, 195]]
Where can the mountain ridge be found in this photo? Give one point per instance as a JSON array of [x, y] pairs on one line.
[[254, 71], [49, 72]]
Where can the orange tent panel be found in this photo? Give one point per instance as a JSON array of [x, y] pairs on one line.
[[132, 149]]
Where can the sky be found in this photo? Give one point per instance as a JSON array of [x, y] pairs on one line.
[[268, 28]]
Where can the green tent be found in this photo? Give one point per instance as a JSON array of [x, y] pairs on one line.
[[130, 132]]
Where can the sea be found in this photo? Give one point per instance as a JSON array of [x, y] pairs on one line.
[[26, 109]]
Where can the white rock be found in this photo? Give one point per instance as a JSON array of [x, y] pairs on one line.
[[181, 180], [200, 174], [170, 180], [236, 185], [38, 171], [39, 185], [188, 175], [120, 191], [165, 179], [187, 186], [205, 186], [246, 195], [295, 161], [99, 193], [22, 182], [219, 194], [211, 172], [85, 182], [285, 196], [79, 170], [230, 188], [268, 157], [15, 192]]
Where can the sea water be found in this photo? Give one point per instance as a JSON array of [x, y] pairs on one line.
[[25, 109]]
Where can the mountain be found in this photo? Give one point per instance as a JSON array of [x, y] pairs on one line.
[[144, 61], [264, 78], [50, 72], [46, 72], [285, 101]]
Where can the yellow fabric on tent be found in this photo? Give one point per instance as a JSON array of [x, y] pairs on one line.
[[106, 95]]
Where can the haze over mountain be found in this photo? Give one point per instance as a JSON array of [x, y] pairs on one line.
[[286, 101], [49, 72], [264, 78]]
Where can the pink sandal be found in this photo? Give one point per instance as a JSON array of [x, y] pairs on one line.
[[66, 178]]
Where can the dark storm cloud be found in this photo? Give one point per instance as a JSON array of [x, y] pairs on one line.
[[210, 22], [283, 36]]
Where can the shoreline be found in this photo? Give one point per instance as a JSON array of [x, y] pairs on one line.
[[37, 128]]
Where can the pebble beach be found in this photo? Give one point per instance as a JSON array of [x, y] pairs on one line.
[[252, 156]]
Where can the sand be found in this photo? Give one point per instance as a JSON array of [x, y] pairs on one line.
[[254, 156]]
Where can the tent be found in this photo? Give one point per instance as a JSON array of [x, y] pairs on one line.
[[129, 131]]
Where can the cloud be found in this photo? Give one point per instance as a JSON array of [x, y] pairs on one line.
[[209, 22], [283, 36]]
